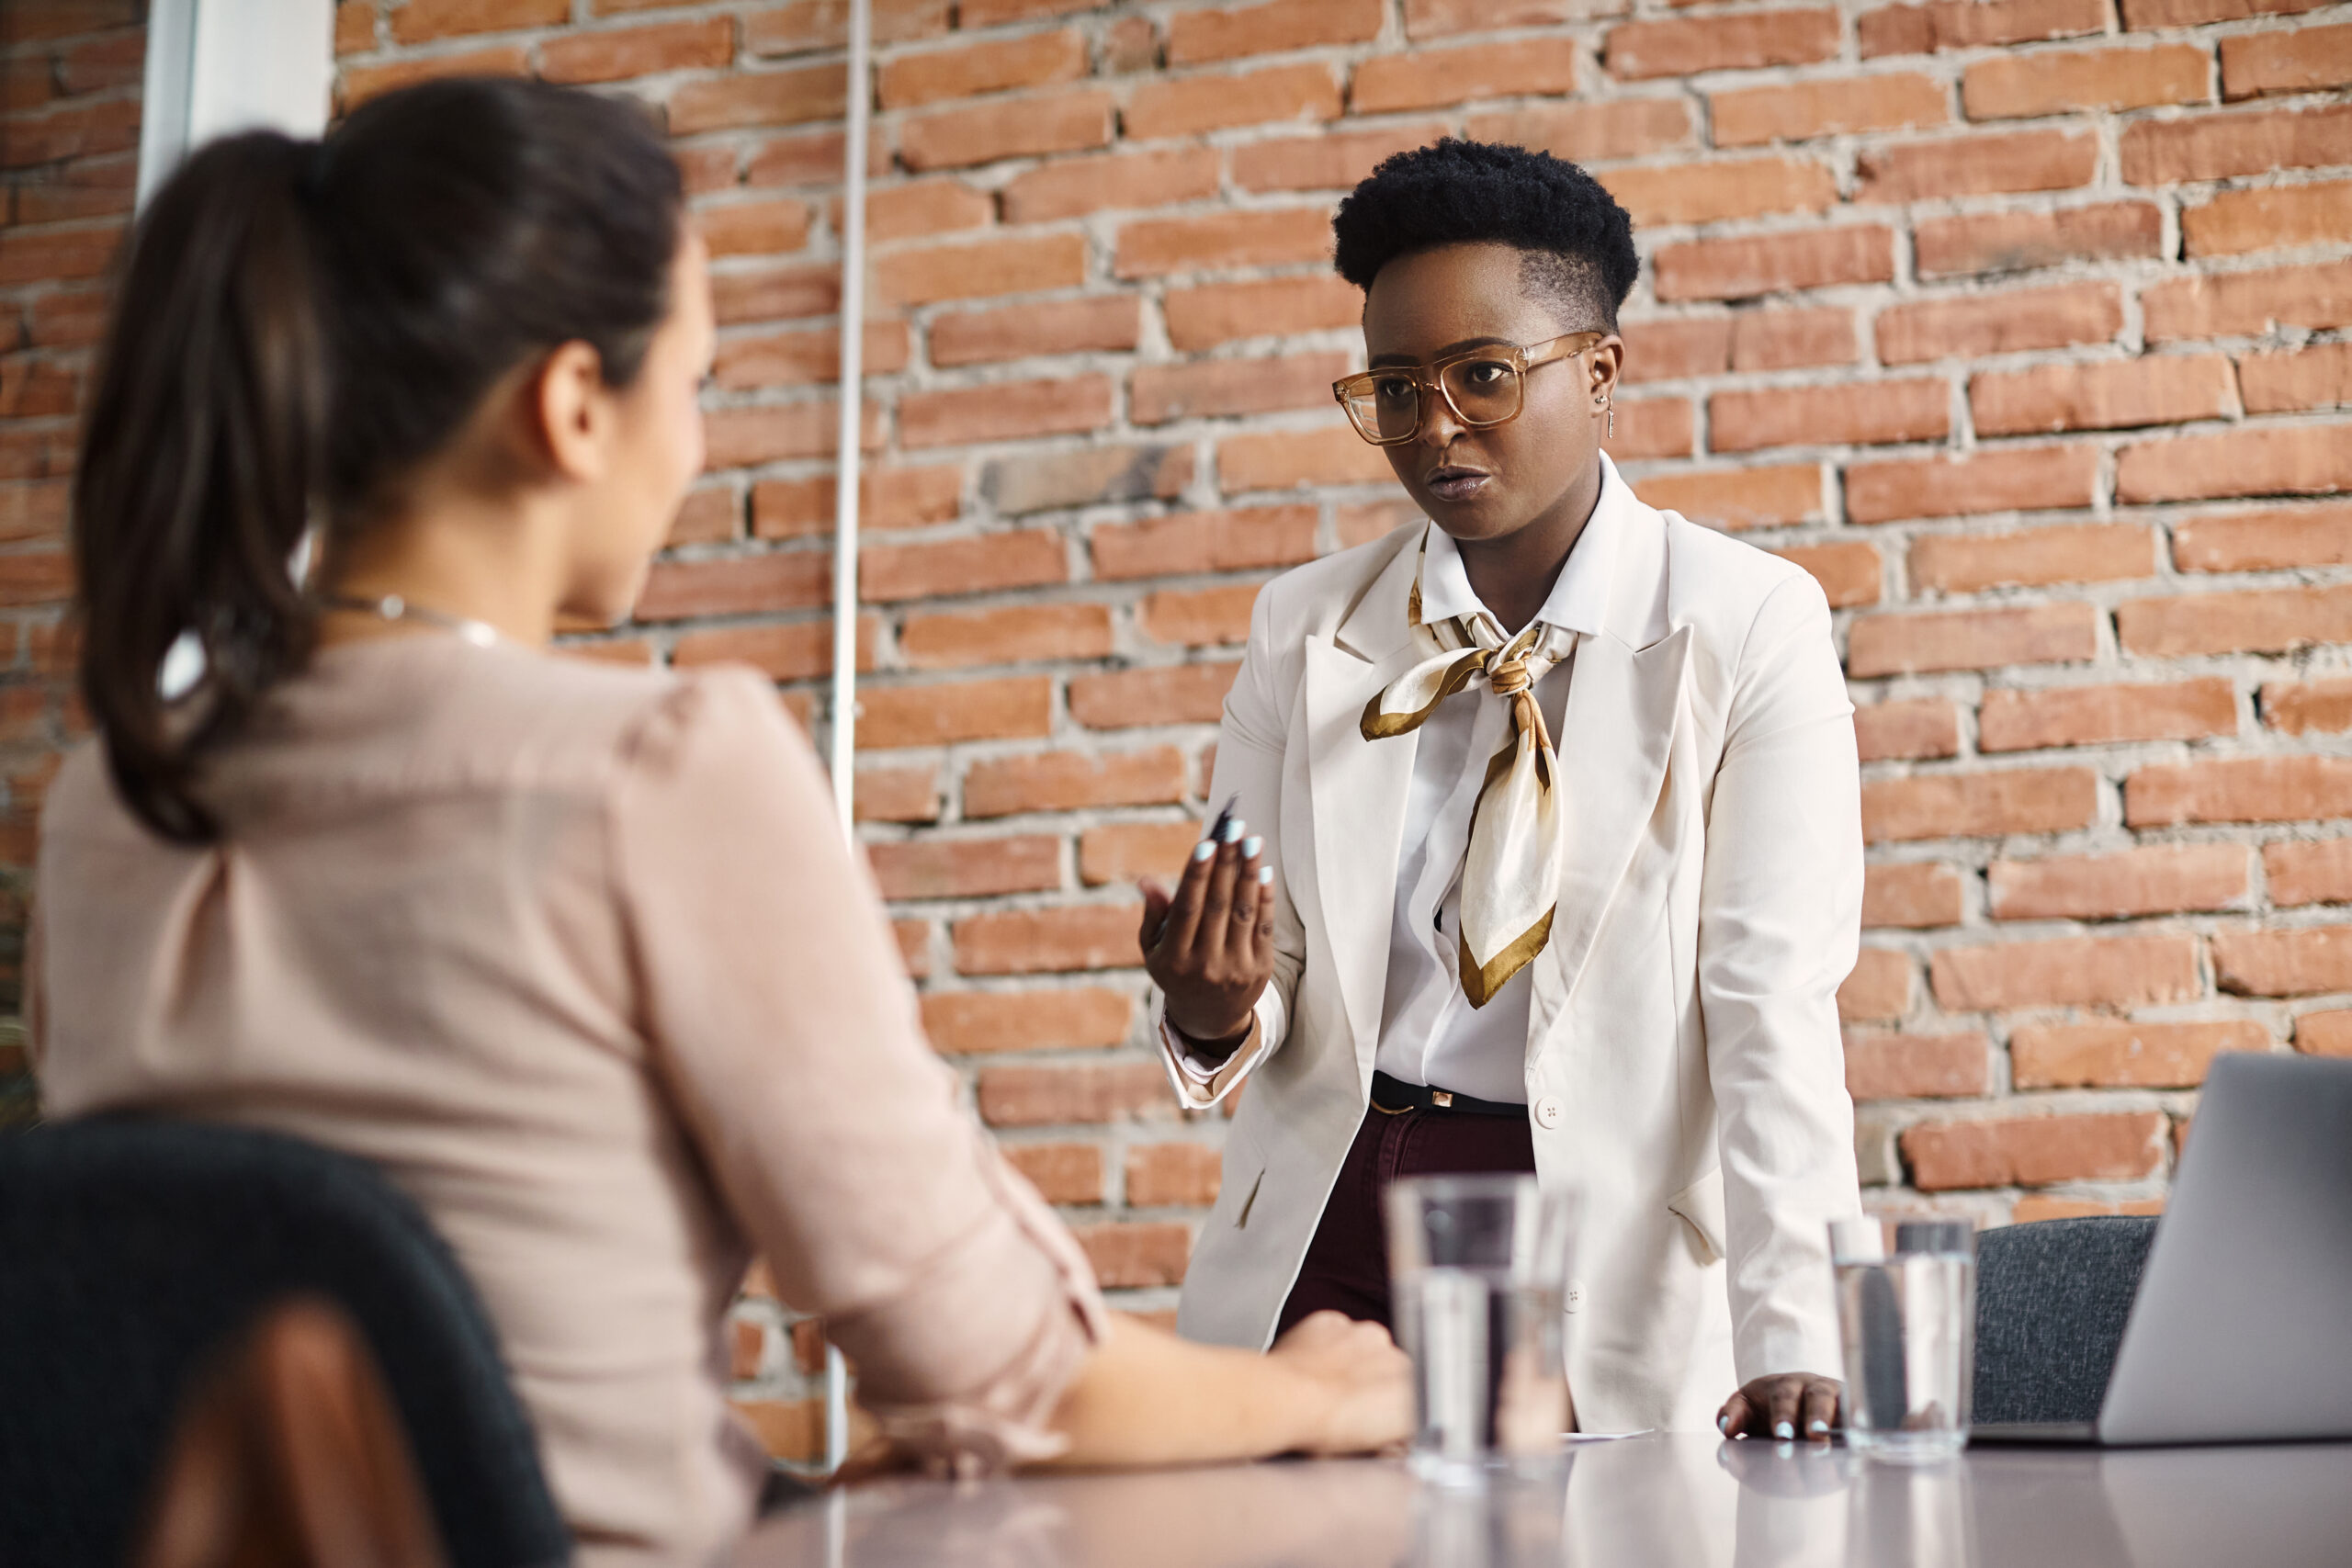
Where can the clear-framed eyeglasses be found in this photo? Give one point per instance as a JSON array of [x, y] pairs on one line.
[[1483, 386]]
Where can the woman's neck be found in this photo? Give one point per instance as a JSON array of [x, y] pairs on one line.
[[472, 562], [1513, 575]]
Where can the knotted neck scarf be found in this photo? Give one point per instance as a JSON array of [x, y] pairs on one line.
[[1510, 875]]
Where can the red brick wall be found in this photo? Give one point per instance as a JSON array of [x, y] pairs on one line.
[[69, 165], [2018, 321]]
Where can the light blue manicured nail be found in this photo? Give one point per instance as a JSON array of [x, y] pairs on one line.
[[1816, 1427], [1265, 876], [1205, 848], [1251, 845], [1234, 829], [1783, 1430], [1722, 1424]]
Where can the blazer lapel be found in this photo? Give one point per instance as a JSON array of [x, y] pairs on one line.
[[1613, 742], [1358, 788], [1624, 698]]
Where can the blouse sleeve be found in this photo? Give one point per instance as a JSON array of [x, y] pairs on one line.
[[779, 1015]]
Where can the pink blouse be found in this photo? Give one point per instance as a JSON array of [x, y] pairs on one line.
[[578, 956]]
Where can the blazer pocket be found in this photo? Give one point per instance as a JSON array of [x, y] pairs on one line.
[[1701, 1207], [1249, 1199], [1245, 1163]]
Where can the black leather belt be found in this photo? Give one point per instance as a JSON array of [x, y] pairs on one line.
[[1394, 1097]]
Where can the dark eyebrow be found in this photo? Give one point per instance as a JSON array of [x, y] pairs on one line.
[[1379, 360]]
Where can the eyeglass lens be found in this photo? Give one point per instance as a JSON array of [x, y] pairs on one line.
[[1484, 391]]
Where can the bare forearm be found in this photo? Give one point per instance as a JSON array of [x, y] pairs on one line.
[[1146, 1397]]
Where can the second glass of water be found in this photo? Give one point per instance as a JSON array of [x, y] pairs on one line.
[[1478, 1265], [1906, 1316]]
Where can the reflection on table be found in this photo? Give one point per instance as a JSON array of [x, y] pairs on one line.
[[1644, 1501]]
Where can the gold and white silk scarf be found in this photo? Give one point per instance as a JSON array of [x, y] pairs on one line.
[[1510, 874]]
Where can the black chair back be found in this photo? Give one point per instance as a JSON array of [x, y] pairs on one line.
[[2052, 1298], [129, 1249]]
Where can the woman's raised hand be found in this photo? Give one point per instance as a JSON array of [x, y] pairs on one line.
[[1210, 945]]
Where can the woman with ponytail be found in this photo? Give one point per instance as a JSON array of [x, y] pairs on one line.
[[573, 951]]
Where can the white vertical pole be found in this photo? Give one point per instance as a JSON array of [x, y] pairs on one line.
[[217, 66], [845, 477], [168, 84], [846, 466]]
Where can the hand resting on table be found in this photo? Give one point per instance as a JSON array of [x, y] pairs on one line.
[[1783, 1405]]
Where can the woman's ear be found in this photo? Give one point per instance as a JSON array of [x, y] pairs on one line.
[[570, 411], [1608, 362]]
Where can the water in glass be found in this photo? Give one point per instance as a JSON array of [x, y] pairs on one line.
[[1479, 1265], [1907, 1319]]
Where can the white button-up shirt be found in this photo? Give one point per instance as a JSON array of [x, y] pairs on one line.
[[1428, 1032]]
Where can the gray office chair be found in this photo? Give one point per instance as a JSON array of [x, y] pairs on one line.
[[2052, 1298], [130, 1250]]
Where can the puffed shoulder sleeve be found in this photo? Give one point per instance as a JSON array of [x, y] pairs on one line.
[[778, 1011]]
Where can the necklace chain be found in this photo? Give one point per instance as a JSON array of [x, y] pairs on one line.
[[393, 607]]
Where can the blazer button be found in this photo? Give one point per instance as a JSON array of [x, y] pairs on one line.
[[1548, 1111], [1572, 1299]]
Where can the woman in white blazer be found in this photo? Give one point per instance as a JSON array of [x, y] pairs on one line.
[[1432, 938]]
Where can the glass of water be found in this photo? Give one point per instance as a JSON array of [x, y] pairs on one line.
[[1906, 1314], [1477, 1267]]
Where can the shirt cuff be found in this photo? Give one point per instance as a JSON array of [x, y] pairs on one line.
[[1179, 1049], [1201, 1085]]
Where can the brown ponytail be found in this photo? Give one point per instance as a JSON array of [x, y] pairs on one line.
[[197, 467], [297, 324]]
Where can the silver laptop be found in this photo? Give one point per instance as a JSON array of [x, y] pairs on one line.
[[2239, 1330]]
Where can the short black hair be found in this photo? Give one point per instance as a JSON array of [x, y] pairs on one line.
[[1577, 242]]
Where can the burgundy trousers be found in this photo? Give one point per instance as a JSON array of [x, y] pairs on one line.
[[1347, 1264]]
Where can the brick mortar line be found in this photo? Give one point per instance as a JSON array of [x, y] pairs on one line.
[[1130, 594], [920, 376], [1946, 61]]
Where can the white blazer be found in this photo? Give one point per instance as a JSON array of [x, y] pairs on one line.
[[1685, 1073]]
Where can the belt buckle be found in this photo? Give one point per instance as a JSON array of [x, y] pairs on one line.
[[1441, 1100]]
